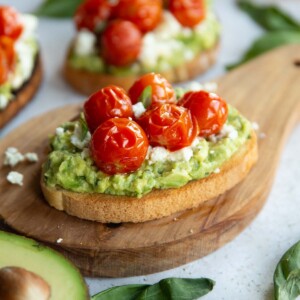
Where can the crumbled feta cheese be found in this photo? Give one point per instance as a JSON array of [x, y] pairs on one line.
[[76, 139], [159, 154], [217, 171], [31, 156], [59, 131], [30, 24], [262, 135], [85, 43], [12, 157], [3, 101], [210, 87], [227, 131], [15, 178], [255, 126], [138, 109], [59, 240]]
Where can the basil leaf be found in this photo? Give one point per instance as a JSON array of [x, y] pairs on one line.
[[58, 8], [126, 292], [146, 96], [287, 275], [270, 18], [267, 42], [170, 288]]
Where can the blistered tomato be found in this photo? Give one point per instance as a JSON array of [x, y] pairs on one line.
[[188, 12], [170, 126], [4, 69], [119, 145], [145, 14], [209, 109], [152, 89], [92, 14], [111, 101], [7, 46], [121, 43], [10, 22]]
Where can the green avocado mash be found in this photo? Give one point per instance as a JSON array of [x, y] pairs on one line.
[[187, 46], [70, 167]]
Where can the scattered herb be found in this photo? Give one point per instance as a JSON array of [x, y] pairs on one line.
[[268, 42], [146, 96], [166, 289], [282, 29], [57, 8], [270, 18], [287, 275]]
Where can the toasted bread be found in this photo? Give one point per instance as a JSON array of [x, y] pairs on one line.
[[158, 203], [23, 95], [87, 82]]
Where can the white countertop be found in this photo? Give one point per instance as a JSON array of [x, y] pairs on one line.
[[243, 269]]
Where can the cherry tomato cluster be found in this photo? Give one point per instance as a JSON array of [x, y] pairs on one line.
[[120, 141], [10, 30], [121, 24]]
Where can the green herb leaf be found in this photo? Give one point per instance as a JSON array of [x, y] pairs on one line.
[[287, 275], [146, 96], [166, 289], [269, 17], [267, 42], [58, 8]]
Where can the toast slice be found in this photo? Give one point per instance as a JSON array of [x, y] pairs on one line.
[[158, 203], [23, 95], [88, 83]]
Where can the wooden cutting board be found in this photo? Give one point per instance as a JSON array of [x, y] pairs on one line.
[[266, 90]]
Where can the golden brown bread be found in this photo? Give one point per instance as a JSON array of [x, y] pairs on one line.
[[88, 83], [23, 95], [159, 203]]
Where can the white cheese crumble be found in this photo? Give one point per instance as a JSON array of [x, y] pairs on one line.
[[59, 131], [138, 109], [59, 240], [196, 86], [12, 157], [255, 126], [85, 153], [85, 43], [217, 171], [159, 154], [227, 131], [3, 101], [31, 157], [15, 178], [76, 139]]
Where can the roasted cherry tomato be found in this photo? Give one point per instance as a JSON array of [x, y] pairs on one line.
[[145, 14], [188, 12], [92, 14], [170, 126], [119, 145], [10, 23], [4, 69], [121, 43], [152, 89], [209, 109], [7, 46], [109, 102]]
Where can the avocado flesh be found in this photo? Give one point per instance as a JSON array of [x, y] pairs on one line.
[[64, 279]]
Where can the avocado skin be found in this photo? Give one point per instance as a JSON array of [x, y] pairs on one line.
[[64, 278]]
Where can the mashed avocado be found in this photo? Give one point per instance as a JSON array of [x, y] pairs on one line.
[[70, 167], [168, 46]]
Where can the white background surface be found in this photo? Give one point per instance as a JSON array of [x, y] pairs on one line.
[[243, 269]]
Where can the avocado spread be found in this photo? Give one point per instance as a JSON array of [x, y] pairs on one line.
[[70, 166], [166, 47]]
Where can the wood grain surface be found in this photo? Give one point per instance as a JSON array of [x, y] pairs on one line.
[[266, 91]]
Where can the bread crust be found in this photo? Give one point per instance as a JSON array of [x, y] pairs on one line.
[[158, 203], [23, 95], [88, 83]]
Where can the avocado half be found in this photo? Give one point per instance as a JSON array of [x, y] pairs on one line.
[[64, 278]]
